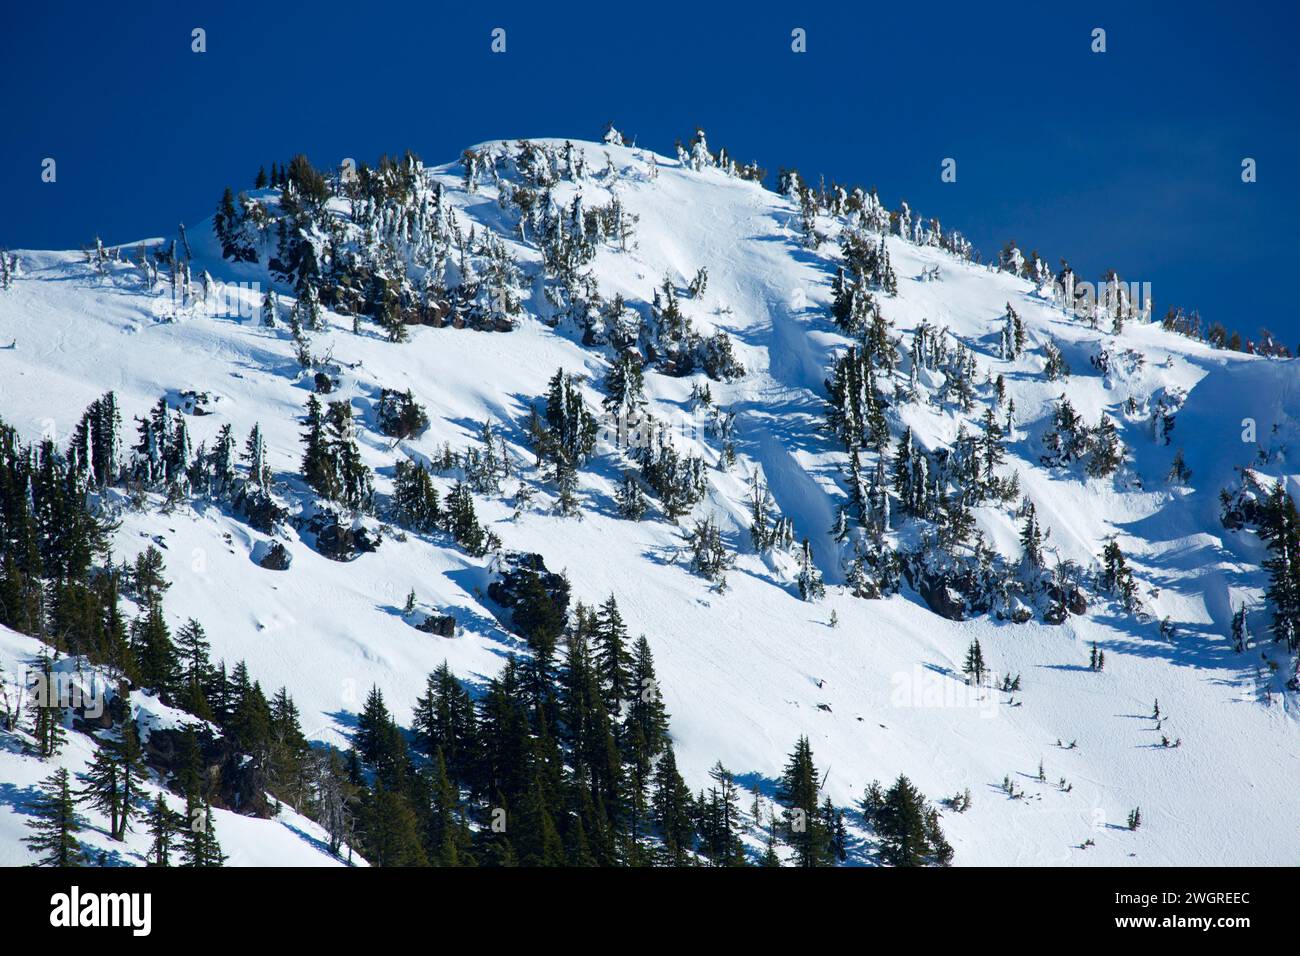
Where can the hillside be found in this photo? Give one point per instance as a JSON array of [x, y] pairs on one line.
[[875, 683]]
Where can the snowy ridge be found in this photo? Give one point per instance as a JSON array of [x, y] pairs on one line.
[[745, 672]]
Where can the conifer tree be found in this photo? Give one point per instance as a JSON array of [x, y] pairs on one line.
[[415, 500], [906, 837], [195, 668], [1240, 630], [974, 666], [1280, 528], [1031, 540], [49, 712], [797, 790], [673, 809], [612, 663], [811, 587], [199, 844], [630, 499], [259, 472], [163, 822], [55, 823]]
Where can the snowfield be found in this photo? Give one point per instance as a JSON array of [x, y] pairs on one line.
[[747, 671]]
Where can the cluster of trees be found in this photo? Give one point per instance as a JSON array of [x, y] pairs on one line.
[[399, 415], [331, 461], [1216, 335], [1070, 440], [264, 738], [1280, 528], [563, 437], [565, 760]]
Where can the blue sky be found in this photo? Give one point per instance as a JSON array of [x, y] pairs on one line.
[[1130, 159]]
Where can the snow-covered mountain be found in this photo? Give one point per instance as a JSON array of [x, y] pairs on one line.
[[876, 683]]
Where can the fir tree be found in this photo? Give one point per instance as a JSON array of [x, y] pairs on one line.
[[630, 499], [798, 791], [811, 587], [55, 823], [907, 837], [974, 665], [163, 823], [199, 844]]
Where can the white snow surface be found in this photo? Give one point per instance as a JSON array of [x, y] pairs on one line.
[[747, 671]]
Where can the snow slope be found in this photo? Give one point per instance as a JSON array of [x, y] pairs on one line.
[[287, 840], [747, 671]]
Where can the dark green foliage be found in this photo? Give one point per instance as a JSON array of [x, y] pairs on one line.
[[399, 415], [974, 666], [798, 791], [415, 500], [55, 824], [909, 829]]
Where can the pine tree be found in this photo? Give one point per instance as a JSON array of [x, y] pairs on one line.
[[797, 790], [907, 838], [1179, 473], [1240, 630], [1106, 450], [673, 809], [415, 500], [49, 712], [163, 822], [630, 499], [1031, 539], [259, 472], [199, 844], [811, 587], [319, 469], [1280, 528], [974, 665], [195, 669], [462, 520], [55, 823], [154, 652], [612, 663]]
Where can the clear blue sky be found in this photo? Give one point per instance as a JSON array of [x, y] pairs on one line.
[[1129, 159]]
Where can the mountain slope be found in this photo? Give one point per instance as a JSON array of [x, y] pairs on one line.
[[748, 670]]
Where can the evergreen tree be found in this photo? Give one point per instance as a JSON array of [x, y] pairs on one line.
[[1106, 450], [974, 666], [811, 587], [163, 822], [612, 663], [259, 472], [673, 809], [415, 500], [1280, 528], [905, 837], [1240, 630], [49, 712], [630, 499], [199, 844], [797, 790], [195, 669], [1031, 540], [1179, 473], [55, 823]]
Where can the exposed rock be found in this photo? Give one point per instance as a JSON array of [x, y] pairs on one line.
[[338, 541], [942, 598], [514, 569], [443, 625], [259, 508], [236, 780], [276, 558]]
